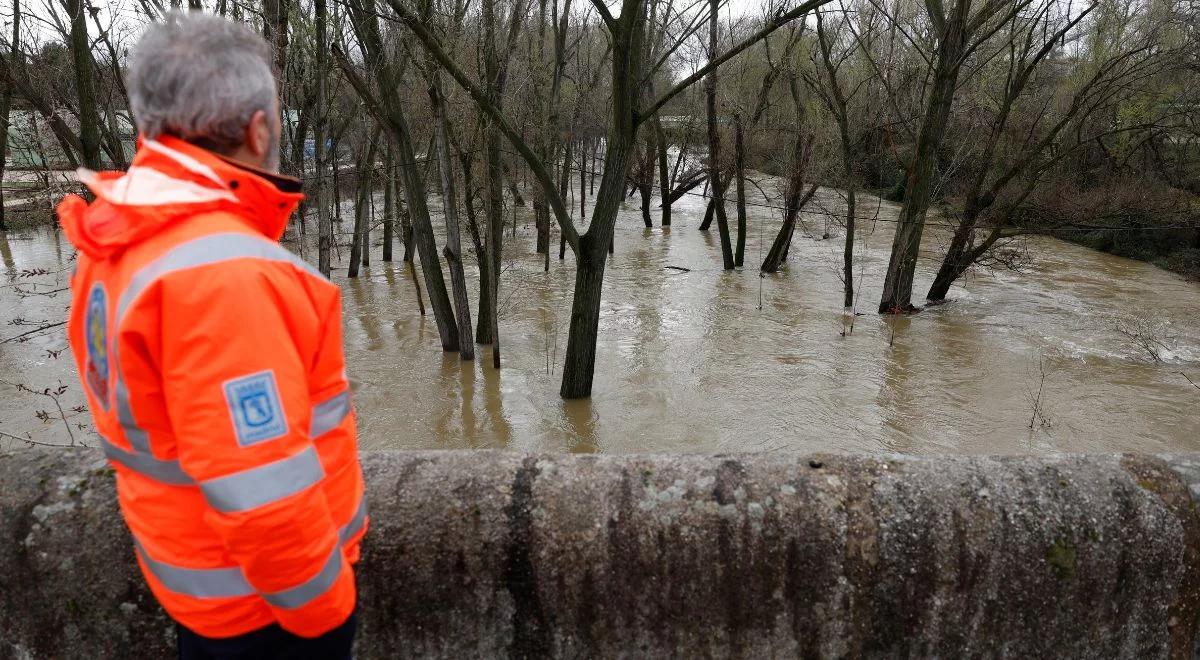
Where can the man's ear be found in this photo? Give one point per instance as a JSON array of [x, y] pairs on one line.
[[258, 136]]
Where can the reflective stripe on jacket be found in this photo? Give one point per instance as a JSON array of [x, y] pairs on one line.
[[212, 362]]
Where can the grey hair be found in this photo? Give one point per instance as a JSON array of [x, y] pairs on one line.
[[200, 78]]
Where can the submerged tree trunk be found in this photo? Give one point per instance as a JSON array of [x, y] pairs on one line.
[[324, 222], [739, 160], [389, 110], [453, 249], [422, 236], [582, 184], [902, 266], [541, 220], [961, 255], [362, 200], [714, 143], [848, 253], [591, 255], [794, 199], [591, 259], [389, 205], [783, 240], [664, 179]]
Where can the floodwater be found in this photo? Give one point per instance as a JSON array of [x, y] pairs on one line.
[[701, 360]]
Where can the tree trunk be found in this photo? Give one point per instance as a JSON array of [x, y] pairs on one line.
[[541, 219], [647, 191], [6, 103], [390, 111], [739, 149], [406, 232], [366, 233], [580, 364], [580, 359], [794, 199], [362, 199], [664, 180], [422, 236], [495, 235], [453, 249], [848, 253], [324, 221], [389, 205], [783, 240], [961, 254], [902, 266], [583, 179], [85, 86], [714, 143]]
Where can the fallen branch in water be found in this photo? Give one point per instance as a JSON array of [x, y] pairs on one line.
[[53, 394], [29, 441], [36, 330], [679, 268], [1194, 383]]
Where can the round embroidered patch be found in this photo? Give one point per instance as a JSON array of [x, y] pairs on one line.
[[95, 328]]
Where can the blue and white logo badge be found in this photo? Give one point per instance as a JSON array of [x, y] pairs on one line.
[[255, 407], [95, 331]]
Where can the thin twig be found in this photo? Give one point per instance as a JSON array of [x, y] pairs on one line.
[[1194, 383], [34, 331]]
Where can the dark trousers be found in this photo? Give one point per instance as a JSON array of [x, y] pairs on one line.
[[272, 643]]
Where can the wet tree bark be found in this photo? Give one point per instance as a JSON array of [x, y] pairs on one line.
[[835, 100], [643, 178], [359, 245], [388, 109], [664, 179], [981, 196], [389, 205], [739, 160], [582, 184], [493, 193], [714, 142], [422, 236], [453, 249], [795, 200], [902, 265]]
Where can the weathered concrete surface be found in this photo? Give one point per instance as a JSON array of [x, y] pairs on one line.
[[488, 554]]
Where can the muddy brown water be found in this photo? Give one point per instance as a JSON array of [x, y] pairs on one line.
[[703, 360]]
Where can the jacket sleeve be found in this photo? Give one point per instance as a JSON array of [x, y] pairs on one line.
[[236, 345]]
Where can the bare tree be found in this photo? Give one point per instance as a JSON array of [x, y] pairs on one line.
[[626, 33], [959, 32]]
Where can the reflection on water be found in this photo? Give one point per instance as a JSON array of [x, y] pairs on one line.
[[695, 359]]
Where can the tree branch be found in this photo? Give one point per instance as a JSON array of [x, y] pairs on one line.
[[430, 43], [605, 14], [772, 25]]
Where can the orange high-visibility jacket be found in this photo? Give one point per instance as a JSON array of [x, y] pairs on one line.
[[212, 362]]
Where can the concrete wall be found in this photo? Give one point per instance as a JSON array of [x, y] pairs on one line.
[[490, 554]]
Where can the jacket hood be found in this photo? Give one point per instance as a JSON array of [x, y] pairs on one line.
[[168, 180]]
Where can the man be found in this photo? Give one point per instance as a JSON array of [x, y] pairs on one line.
[[212, 359]]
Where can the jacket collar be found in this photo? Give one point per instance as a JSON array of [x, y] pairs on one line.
[[167, 180], [264, 199]]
